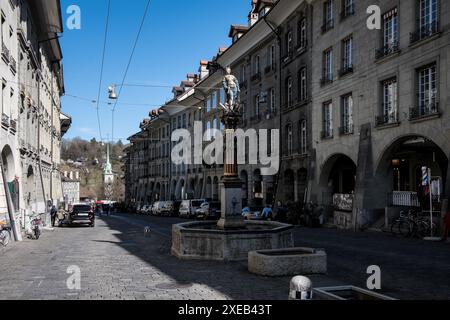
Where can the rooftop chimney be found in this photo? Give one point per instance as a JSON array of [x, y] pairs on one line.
[[203, 70], [253, 16]]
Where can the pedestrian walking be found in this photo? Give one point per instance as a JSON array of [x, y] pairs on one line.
[[53, 214]]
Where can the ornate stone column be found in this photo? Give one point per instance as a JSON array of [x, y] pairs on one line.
[[231, 204]]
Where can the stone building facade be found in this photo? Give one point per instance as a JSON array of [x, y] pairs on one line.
[[379, 105], [361, 112], [32, 121]]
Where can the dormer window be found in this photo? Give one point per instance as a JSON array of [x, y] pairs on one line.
[[263, 12]]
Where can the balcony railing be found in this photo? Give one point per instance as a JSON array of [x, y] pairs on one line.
[[386, 119], [256, 77], [431, 109], [5, 53], [13, 124], [270, 68], [288, 57], [346, 129], [328, 25], [327, 79], [348, 11], [13, 65], [254, 118], [345, 70], [387, 50], [327, 134], [5, 120], [404, 199], [302, 44], [425, 31], [243, 84]]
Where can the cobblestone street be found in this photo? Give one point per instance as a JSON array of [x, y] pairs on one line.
[[118, 262]]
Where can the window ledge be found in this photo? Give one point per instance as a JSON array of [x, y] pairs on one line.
[[387, 125], [425, 40], [388, 56], [425, 118]]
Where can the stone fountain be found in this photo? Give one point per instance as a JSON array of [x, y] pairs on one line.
[[231, 238]]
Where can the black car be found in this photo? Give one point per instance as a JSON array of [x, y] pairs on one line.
[[82, 214]]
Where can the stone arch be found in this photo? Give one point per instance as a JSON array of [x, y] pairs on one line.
[[208, 189], [338, 176], [8, 162], [30, 186], [399, 170], [157, 192], [244, 179], [302, 184], [191, 188], [180, 190], [289, 185], [215, 189], [173, 189], [258, 195]]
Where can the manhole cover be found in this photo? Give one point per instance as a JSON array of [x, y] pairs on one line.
[[173, 286]]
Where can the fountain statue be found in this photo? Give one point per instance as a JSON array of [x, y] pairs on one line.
[[231, 238]]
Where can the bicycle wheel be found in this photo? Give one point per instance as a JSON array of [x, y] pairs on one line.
[[405, 228]]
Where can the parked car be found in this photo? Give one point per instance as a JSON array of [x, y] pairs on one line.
[[188, 208], [82, 214], [166, 208], [138, 208], [146, 209], [208, 210], [156, 208]]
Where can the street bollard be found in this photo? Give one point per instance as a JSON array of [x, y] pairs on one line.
[[300, 288], [147, 232]]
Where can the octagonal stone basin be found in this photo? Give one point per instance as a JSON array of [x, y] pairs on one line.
[[205, 241], [347, 293], [288, 262]]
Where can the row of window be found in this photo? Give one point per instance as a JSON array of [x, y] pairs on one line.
[[302, 145], [426, 103], [347, 60]]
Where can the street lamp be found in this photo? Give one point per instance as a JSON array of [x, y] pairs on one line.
[[112, 92]]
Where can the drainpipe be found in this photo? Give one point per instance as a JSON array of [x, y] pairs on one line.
[[280, 83], [39, 144], [51, 135]]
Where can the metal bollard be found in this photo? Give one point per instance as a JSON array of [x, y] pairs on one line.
[[147, 232], [300, 288]]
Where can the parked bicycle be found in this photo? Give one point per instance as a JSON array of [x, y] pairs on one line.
[[412, 224], [5, 234], [35, 230]]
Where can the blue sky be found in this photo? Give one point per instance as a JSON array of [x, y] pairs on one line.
[[176, 36]]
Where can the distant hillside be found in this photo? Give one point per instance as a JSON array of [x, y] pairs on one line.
[[88, 158]]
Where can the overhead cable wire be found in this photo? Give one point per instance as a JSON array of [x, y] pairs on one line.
[[144, 16], [102, 68]]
